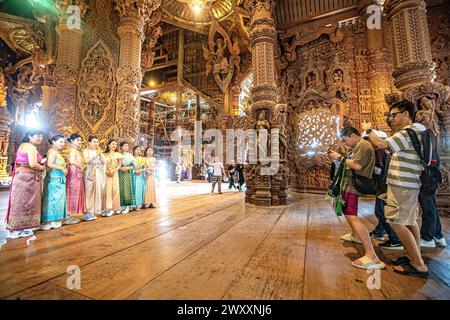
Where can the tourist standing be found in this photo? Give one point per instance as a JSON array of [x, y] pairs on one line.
[[126, 178], [54, 201], [112, 188], [361, 161], [150, 177], [76, 197], [25, 194], [139, 178], [94, 179], [405, 169], [217, 175]]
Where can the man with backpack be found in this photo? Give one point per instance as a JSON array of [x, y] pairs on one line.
[[382, 160], [361, 162], [431, 230], [404, 182]]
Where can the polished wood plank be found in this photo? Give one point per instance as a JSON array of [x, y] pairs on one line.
[[52, 263], [129, 270], [277, 267], [208, 273], [47, 291], [396, 286], [328, 270], [201, 246]]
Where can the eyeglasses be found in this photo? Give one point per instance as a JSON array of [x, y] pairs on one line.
[[392, 115]]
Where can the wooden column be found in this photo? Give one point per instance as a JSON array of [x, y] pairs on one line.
[[379, 68], [414, 75]]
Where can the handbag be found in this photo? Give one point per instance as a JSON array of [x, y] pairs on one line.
[[335, 190], [336, 186], [363, 184]]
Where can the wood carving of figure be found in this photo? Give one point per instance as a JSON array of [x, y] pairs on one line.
[[263, 123], [338, 76], [208, 58], [426, 114], [236, 59], [283, 138]]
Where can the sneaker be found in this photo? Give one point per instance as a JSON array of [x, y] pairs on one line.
[[107, 213], [55, 225], [93, 216], [26, 233], [13, 234], [46, 226], [391, 245], [377, 234], [125, 211], [88, 217], [72, 221], [138, 208], [351, 238], [440, 242], [427, 244]]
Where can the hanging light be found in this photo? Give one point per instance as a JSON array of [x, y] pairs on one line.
[[197, 6]]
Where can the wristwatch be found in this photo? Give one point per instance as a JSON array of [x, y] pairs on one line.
[[368, 131]]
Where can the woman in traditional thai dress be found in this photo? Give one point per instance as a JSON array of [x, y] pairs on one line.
[[126, 178], [25, 194], [94, 179], [76, 197], [54, 195], [112, 189], [139, 178], [150, 167]]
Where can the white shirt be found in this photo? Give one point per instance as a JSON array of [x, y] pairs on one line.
[[218, 166]]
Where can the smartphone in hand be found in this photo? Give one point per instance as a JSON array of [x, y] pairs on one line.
[[43, 160]]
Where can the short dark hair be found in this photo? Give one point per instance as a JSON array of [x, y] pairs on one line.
[[55, 137], [347, 132], [405, 105], [109, 142], [31, 132], [90, 138], [73, 136]]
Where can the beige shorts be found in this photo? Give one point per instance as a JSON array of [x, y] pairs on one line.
[[402, 205]]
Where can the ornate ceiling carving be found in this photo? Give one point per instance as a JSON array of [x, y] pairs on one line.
[[180, 11]]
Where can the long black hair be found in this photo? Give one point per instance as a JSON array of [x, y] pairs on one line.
[[109, 142], [31, 132], [134, 149], [55, 137], [123, 143], [90, 138], [146, 149], [72, 137]]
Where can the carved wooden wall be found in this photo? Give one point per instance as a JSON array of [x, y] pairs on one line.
[[329, 74]]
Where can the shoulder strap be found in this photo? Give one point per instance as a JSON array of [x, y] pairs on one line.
[[416, 143]]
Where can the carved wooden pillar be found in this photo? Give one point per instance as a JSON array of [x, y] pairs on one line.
[[133, 16], [65, 74], [411, 51], [264, 92], [414, 75], [379, 68]]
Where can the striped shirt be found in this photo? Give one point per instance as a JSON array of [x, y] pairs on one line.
[[405, 167]]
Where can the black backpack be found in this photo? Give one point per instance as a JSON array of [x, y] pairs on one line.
[[431, 176]]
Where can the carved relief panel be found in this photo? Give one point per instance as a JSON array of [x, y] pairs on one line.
[[95, 110]]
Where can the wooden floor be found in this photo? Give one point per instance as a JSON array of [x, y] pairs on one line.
[[198, 246]]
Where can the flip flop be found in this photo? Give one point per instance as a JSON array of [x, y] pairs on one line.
[[401, 261], [367, 263], [409, 270]]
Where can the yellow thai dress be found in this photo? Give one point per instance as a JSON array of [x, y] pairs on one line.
[[112, 189], [150, 191]]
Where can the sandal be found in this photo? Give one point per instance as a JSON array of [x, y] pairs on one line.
[[367, 263], [401, 261], [409, 270]]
